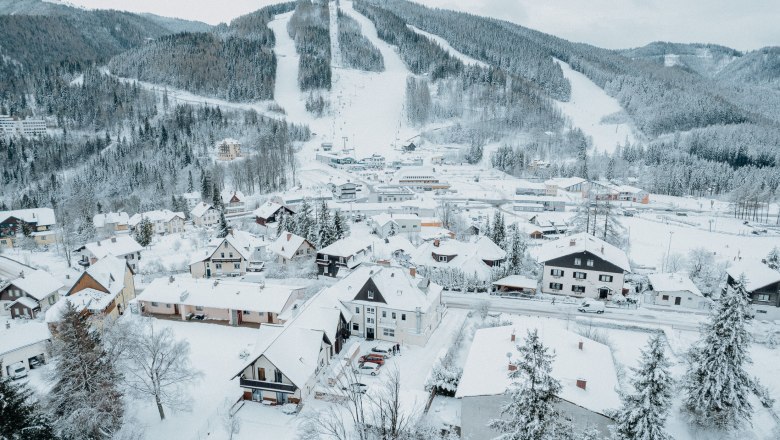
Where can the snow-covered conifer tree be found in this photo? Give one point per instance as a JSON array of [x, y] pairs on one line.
[[530, 413], [223, 225], [20, 416], [643, 414], [773, 258], [716, 385]]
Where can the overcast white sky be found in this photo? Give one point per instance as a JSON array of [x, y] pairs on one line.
[[741, 24]]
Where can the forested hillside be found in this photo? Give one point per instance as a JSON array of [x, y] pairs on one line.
[[356, 51], [309, 27], [235, 64]]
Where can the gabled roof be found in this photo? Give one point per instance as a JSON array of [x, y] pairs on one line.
[[275, 344], [517, 281], [163, 215], [227, 195], [487, 250], [346, 247], [26, 301], [565, 182], [200, 209], [117, 246], [384, 218], [39, 216], [267, 210], [287, 244], [399, 290], [468, 256], [485, 372], [109, 272], [584, 242], [119, 218], [236, 243], [37, 283], [673, 282], [758, 274]]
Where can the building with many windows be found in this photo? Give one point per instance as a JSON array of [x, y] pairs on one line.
[[583, 266]]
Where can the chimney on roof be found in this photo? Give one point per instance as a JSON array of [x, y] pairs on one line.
[[580, 345], [289, 236], [602, 248], [573, 242], [510, 365], [582, 383], [436, 242], [113, 239], [512, 338], [413, 271]]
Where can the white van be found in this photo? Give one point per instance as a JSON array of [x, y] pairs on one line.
[[17, 370], [589, 306]]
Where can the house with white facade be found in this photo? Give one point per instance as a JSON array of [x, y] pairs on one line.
[[122, 246], [475, 259], [235, 302], [26, 291], [192, 198], [110, 223], [390, 304], [386, 225], [164, 221], [676, 290], [203, 214], [228, 149], [583, 367], [230, 256], [290, 246], [234, 202], [343, 189], [343, 255], [27, 343], [583, 266], [270, 212]]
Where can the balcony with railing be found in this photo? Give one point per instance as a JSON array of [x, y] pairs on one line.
[[264, 385]]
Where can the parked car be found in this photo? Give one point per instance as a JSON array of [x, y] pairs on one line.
[[374, 358], [35, 362], [516, 294], [17, 370], [382, 351], [368, 368], [592, 307]]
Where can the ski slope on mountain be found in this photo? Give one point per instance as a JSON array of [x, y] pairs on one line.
[[588, 105], [446, 46]]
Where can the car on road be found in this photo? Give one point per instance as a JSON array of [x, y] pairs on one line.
[[368, 368], [374, 358], [591, 307]]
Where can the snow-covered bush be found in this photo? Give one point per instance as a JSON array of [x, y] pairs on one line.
[[444, 378]]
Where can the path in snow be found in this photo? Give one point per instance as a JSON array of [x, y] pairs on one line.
[[335, 45], [446, 46], [587, 106], [286, 91]]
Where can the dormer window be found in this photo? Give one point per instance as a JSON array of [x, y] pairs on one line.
[[442, 258]]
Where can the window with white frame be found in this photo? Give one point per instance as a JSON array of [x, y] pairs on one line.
[[589, 262], [578, 261], [580, 275], [370, 294], [370, 310], [578, 289], [762, 297], [388, 332], [606, 278], [370, 320], [556, 272], [556, 286]]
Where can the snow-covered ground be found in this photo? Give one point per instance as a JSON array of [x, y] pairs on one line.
[[586, 108]]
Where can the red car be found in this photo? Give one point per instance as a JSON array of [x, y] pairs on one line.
[[373, 358]]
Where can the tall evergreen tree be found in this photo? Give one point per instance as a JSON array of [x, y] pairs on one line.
[[716, 385], [190, 183], [85, 402], [340, 226], [530, 412], [303, 222], [283, 224], [20, 416], [325, 230], [643, 414], [216, 197], [773, 258], [144, 232], [223, 225]]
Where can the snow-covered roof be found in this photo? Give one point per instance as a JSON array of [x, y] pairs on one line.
[[163, 215], [26, 301], [221, 294], [518, 281], [527, 184], [93, 300], [238, 244], [468, 256], [195, 195], [400, 290], [275, 343], [584, 242], [35, 282], [757, 274], [673, 282], [118, 246], [267, 210], [228, 141], [286, 245], [109, 271], [119, 218], [384, 218], [565, 182], [200, 209], [346, 247], [228, 194], [485, 372], [321, 312], [39, 216], [22, 335], [487, 250]]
